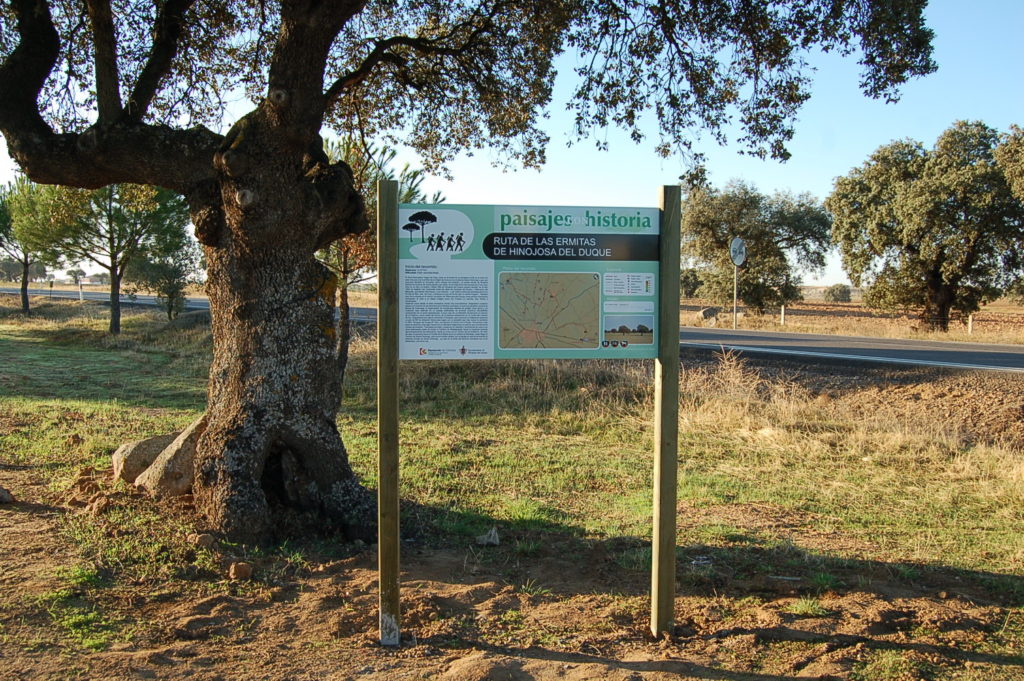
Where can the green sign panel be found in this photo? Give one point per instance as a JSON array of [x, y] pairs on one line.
[[534, 282]]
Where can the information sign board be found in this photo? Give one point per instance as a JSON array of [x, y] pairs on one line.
[[513, 282]]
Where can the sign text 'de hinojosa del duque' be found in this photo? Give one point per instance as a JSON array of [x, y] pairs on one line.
[[507, 282]]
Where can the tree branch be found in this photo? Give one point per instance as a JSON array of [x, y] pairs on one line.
[[379, 55], [166, 37], [108, 94], [24, 72], [382, 53]]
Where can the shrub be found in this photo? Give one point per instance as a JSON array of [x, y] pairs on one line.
[[837, 293]]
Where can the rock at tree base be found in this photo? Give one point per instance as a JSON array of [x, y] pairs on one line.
[[6, 497], [132, 459], [240, 571], [170, 475], [489, 538], [203, 541]]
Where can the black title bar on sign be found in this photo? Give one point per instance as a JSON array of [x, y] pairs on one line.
[[529, 246]]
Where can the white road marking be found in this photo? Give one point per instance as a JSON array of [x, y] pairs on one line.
[[864, 358]]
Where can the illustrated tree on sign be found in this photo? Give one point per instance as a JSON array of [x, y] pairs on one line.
[[97, 94], [936, 230], [411, 228], [423, 218]]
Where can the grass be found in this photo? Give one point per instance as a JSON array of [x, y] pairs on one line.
[[553, 452], [998, 322], [541, 446], [807, 607]]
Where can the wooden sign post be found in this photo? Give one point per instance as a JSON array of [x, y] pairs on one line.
[[666, 420], [387, 411], [632, 276]]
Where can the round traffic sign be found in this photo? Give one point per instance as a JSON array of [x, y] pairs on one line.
[[738, 251]]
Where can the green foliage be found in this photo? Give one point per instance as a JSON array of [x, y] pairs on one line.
[[76, 275], [689, 282], [10, 269], [837, 293], [166, 272], [18, 211], [449, 77], [353, 259], [110, 227], [934, 230], [784, 234], [1010, 157]]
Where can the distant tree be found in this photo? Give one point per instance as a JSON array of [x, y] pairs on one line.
[[109, 227], [784, 234], [642, 328], [933, 230], [101, 278], [38, 272], [10, 269], [166, 271], [1016, 291], [76, 275], [22, 205], [837, 293], [689, 282], [623, 329]]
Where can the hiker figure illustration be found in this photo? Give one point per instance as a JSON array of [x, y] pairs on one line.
[[439, 244], [451, 243], [460, 243], [430, 242]]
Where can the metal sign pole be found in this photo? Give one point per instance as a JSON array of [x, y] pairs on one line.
[[738, 254], [735, 290], [387, 412]]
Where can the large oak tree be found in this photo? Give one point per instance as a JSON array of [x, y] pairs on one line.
[[935, 230], [107, 91]]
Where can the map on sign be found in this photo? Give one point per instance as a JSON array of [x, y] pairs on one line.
[[549, 310]]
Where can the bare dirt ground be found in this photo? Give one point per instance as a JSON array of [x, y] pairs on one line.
[[466, 620]]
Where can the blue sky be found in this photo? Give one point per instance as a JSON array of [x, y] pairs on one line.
[[979, 47]]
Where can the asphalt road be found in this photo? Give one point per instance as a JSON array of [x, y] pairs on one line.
[[809, 347], [796, 346], [359, 314]]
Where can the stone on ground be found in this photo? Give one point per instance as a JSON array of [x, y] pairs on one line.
[[6, 497], [132, 459], [170, 475]]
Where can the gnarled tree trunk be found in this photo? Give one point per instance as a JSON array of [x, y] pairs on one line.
[[271, 441]]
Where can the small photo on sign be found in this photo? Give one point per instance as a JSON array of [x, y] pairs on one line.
[[629, 330]]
